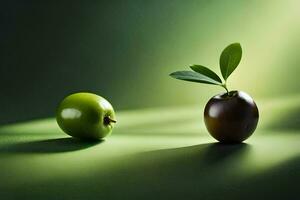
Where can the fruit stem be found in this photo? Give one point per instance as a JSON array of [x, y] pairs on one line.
[[108, 120], [112, 120], [225, 87]]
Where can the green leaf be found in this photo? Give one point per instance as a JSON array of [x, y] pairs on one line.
[[230, 59], [206, 72], [193, 77]]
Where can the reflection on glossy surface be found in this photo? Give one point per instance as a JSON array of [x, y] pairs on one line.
[[86, 116], [70, 113], [231, 118]]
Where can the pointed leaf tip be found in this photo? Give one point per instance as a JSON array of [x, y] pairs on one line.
[[193, 77]]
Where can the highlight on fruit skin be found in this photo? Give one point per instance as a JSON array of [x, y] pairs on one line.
[[86, 116], [236, 114], [231, 119]]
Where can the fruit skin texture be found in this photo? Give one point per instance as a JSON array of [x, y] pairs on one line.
[[85, 116], [231, 118]]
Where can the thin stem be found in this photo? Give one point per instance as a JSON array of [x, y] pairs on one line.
[[112, 120], [225, 87]]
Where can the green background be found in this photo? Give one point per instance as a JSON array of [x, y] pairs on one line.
[[160, 148], [150, 157], [124, 51]]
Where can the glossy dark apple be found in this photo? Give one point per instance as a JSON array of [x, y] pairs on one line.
[[231, 118]]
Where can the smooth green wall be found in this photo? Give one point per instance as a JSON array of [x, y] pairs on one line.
[[124, 51]]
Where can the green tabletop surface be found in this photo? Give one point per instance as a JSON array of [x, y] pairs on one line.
[[161, 153]]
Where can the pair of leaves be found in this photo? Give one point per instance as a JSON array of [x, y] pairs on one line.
[[229, 60], [200, 74]]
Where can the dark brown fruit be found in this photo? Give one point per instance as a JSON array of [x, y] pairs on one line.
[[231, 118]]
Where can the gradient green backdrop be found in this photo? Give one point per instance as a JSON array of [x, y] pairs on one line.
[[124, 51]]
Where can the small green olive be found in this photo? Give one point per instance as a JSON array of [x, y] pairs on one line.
[[86, 116]]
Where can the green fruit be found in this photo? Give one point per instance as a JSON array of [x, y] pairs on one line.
[[85, 116]]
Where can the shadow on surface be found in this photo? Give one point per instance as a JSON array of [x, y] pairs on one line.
[[206, 171], [49, 146], [279, 182], [182, 173]]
